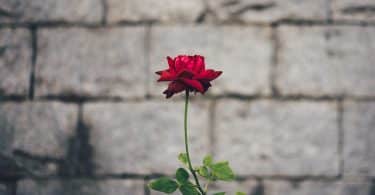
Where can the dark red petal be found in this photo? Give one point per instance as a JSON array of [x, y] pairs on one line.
[[206, 85], [167, 76], [174, 87], [199, 63], [208, 75], [196, 85], [185, 73], [171, 64]]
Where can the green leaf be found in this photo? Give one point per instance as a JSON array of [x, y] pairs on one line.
[[188, 189], [182, 175], [207, 160], [240, 193], [182, 157], [203, 171], [219, 193], [164, 184], [222, 171]]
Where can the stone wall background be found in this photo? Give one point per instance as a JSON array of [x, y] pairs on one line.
[[80, 112]]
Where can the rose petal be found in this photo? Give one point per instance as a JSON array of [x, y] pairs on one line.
[[194, 84], [179, 64], [171, 64], [174, 87], [199, 63], [185, 73], [167, 76], [208, 75]]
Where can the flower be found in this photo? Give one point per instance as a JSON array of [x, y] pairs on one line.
[[187, 73]]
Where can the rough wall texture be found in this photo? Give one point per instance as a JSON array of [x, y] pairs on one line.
[[80, 112]]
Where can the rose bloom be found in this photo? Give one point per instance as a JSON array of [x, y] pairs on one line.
[[187, 73]]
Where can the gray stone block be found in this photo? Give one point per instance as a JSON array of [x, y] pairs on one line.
[[80, 187], [246, 186], [277, 137], [89, 11], [144, 137], [326, 61], [317, 187], [4, 190], [15, 61], [37, 128], [150, 10], [91, 62], [242, 53], [269, 10], [359, 136]]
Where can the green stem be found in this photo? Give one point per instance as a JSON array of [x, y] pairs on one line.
[[187, 145]]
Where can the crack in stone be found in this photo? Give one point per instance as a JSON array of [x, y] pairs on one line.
[[365, 9], [254, 7]]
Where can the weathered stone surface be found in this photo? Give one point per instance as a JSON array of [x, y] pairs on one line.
[[144, 137], [317, 187], [37, 128], [269, 10], [80, 187], [15, 61], [326, 61], [363, 10], [277, 137], [242, 53], [359, 136], [246, 186], [53, 10], [4, 190], [161, 10], [92, 62]]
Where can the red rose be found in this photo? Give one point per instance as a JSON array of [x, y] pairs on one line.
[[187, 73]]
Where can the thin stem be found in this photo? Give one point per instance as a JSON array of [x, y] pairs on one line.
[[187, 145]]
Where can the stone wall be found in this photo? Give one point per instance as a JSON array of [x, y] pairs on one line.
[[81, 113]]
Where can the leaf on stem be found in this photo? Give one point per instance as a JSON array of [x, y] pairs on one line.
[[240, 193], [164, 184], [182, 175], [188, 189], [182, 157], [219, 193], [207, 160], [222, 171]]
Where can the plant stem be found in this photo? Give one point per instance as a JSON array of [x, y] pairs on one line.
[[187, 145]]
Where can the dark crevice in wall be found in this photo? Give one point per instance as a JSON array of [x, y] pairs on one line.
[[104, 12], [259, 7], [126, 23], [212, 126], [34, 54], [12, 98], [202, 17], [73, 98], [259, 189], [147, 48], [79, 159], [274, 61], [372, 188], [34, 157], [361, 9], [340, 120], [329, 11], [146, 189]]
